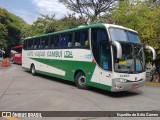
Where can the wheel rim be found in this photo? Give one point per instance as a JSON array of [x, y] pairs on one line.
[[82, 80]]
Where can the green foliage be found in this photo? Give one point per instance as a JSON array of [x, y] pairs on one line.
[[47, 24], [66, 22], [140, 17], [3, 35], [11, 26], [38, 26], [143, 17]]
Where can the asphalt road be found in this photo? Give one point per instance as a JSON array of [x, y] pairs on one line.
[[20, 91]]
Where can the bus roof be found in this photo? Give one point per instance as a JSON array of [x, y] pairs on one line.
[[103, 25]]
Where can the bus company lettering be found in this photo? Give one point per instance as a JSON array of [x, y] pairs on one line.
[[50, 54], [123, 75], [68, 54], [30, 53], [40, 53], [57, 54]]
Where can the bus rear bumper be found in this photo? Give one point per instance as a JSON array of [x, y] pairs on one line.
[[128, 85]]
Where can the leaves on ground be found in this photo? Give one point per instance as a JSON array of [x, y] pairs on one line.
[[153, 84]]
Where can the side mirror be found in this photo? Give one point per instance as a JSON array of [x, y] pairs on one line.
[[119, 49], [153, 51]]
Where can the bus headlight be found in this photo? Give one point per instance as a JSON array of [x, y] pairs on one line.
[[121, 80]]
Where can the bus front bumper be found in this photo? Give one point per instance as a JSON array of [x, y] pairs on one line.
[[118, 85]]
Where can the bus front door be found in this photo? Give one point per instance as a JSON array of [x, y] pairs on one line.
[[105, 63]]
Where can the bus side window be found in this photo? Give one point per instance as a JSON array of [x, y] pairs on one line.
[[56, 41], [41, 43], [77, 39], [84, 38], [25, 45], [30, 45], [64, 40], [51, 45], [46, 42], [34, 44], [69, 37], [28, 42], [37, 43]]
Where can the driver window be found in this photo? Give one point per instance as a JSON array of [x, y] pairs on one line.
[[101, 48]]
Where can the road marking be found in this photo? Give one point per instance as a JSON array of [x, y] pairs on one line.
[[11, 118]]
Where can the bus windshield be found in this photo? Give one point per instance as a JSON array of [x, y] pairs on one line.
[[132, 58], [124, 35], [132, 51]]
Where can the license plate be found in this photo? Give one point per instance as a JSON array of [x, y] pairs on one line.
[[135, 86]]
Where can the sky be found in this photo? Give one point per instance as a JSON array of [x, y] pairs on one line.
[[30, 10]]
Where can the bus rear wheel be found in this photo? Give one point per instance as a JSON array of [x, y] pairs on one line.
[[81, 81], [33, 70]]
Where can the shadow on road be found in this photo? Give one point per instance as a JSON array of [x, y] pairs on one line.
[[117, 94], [56, 79], [96, 90]]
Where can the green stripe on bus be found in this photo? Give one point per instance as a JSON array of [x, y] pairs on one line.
[[70, 67], [96, 85]]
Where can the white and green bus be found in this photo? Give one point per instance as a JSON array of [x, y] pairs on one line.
[[104, 56]]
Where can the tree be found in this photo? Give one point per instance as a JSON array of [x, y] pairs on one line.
[[38, 26], [91, 9], [10, 26], [3, 35], [140, 17], [67, 22]]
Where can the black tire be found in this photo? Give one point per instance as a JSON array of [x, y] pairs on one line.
[[81, 81], [33, 70]]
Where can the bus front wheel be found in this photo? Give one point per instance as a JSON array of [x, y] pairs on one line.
[[80, 81], [33, 70]]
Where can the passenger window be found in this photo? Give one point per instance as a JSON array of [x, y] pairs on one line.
[[25, 45], [36, 43], [77, 39], [84, 38], [46, 42], [32, 44], [69, 39], [51, 45], [56, 41], [64, 40], [81, 38], [29, 44]]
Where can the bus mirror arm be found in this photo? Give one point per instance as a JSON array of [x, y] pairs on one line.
[[153, 51], [119, 49]]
